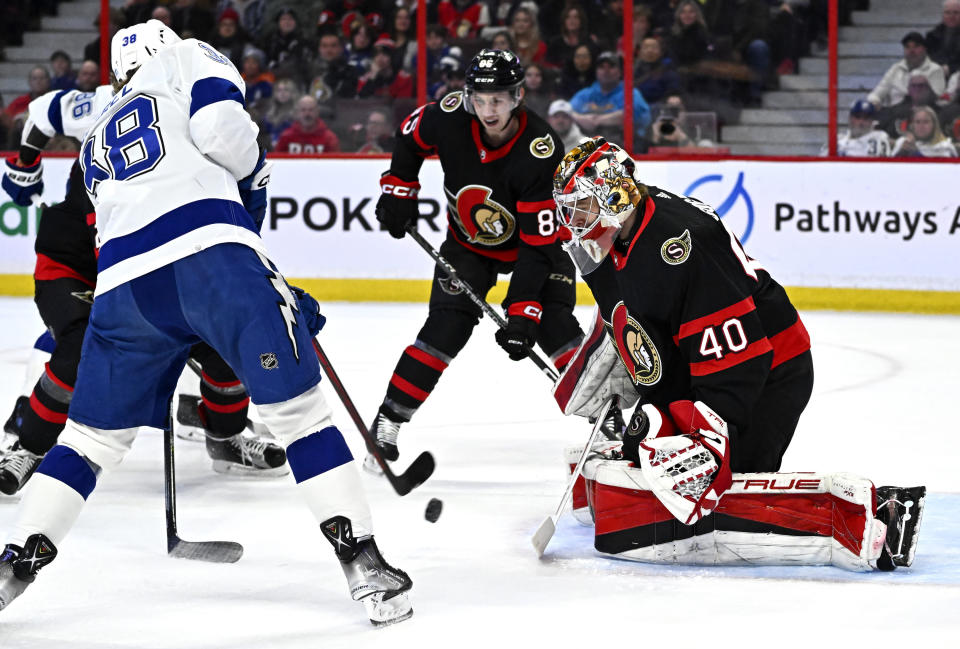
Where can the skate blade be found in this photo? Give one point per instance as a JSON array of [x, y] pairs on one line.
[[190, 433], [231, 468], [386, 612]]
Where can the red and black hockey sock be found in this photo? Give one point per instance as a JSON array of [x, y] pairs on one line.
[[47, 412], [413, 380], [224, 404]]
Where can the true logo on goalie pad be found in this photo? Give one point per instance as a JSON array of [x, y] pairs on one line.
[[636, 348]]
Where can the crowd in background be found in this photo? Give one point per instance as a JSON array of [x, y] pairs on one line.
[[328, 76]]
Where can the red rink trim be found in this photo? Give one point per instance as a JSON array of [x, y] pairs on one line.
[[716, 318], [502, 255], [432, 362], [228, 408], [45, 413], [47, 269], [789, 343], [219, 384], [53, 377], [406, 386], [758, 348]]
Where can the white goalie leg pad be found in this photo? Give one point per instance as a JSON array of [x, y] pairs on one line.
[[298, 417], [763, 519], [593, 375], [48, 506], [105, 448]]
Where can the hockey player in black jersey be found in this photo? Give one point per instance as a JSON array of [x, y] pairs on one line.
[[498, 160]]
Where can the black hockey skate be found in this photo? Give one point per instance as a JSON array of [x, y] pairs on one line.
[[19, 566], [16, 467], [901, 508], [14, 423], [385, 431], [247, 455], [381, 587]]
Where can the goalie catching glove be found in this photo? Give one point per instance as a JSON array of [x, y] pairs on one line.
[[21, 181], [397, 206], [685, 457]]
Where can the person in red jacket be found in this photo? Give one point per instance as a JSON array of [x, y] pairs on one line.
[[462, 18], [309, 133]]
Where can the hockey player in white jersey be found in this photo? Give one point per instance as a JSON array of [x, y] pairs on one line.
[[173, 169]]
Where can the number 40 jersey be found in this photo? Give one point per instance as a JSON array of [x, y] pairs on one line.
[[162, 161]]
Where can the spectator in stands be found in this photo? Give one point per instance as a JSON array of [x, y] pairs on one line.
[[278, 114], [607, 23], [642, 28], [893, 86], [924, 139], [190, 21], [250, 15], [452, 78], [64, 77], [229, 38], [463, 18], [502, 40], [437, 48], [332, 75], [528, 45], [360, 47], [258, 79], [573, 33], [598, 108], [654, 75], [382, 79], [670, 129], [538, 86], [287, 49], [500, 13], [88, 77], [578, 74], [689, 39], [404, 35], [943, 41], [560, 116], [308, 133], [377, 132], [163, 14], [862, 139], [137, 11], [895, 119], [39, 82], [91, 52], [739, 29]]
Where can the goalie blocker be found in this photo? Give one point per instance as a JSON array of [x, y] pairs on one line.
[[763, 519]]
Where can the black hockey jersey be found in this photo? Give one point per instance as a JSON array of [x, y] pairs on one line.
[[499, 201], [694, 317], [65, 244]]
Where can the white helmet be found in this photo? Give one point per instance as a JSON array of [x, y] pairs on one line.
[[132, 46]]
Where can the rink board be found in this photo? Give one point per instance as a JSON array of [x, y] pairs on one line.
[[840, 235]]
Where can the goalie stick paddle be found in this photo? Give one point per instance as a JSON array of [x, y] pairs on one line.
[[547, 528], [418, 471], [211, 551], [476, 299]]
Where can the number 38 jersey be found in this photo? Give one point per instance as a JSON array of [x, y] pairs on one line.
[[499, 201], [691, 314], [162, 161]]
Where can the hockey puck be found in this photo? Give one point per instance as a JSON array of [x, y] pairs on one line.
[[434, 507]]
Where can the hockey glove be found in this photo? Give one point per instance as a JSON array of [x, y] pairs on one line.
[[312, 318], [22, 182], [253, 189], [398, 205], [521, 331]]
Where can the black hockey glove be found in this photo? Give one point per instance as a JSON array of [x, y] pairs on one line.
[[397, 206], [519, 334], [312, 318]]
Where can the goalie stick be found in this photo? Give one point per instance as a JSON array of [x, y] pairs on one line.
[[476, 299], [545, 532], [418, 471], [212, 551]]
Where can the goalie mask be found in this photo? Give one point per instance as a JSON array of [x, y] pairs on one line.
[[596, 190], [133, 46], [493, 71]]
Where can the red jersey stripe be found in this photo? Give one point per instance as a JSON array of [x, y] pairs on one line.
[[537, 239], [406, 386], [753, 350], [789, 343], [47, 269], [716, 318]]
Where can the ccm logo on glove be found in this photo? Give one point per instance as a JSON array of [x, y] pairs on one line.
[[399, 188]]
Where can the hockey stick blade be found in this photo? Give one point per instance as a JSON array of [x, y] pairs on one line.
[[543, 535], [416, 474], [209, 551]]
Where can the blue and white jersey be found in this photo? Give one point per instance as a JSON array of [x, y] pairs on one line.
[[162, 161], [66, 112]]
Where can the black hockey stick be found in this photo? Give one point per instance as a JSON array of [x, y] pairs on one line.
[[212, 551], [476, 299], [418, 471]]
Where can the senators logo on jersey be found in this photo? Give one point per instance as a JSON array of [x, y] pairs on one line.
[[637, 351], [481, 218], [677, 249]]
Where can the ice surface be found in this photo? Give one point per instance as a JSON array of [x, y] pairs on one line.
[[882, 407]]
